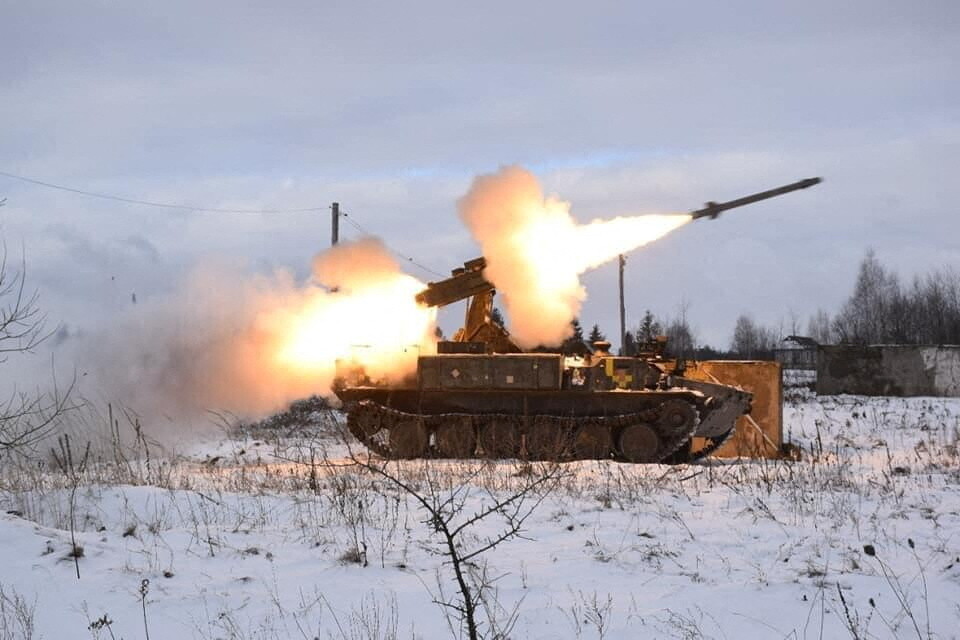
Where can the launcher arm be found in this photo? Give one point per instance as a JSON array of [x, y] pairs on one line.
[[480, 326], [468, 282]]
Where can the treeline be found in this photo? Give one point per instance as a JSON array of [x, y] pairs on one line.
[[682, 342], [680, 338], [880, 310]]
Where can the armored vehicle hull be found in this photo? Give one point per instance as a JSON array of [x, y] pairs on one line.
[[542, 407]]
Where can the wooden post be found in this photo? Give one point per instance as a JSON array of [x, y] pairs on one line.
[[623, 315], [335, 223]]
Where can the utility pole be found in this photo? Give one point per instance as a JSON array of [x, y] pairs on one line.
[[335, 223], [623, 315]]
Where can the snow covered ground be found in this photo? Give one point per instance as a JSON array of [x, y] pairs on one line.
[[275, 535]]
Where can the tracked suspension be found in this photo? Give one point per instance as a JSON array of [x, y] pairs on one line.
[[652, 435]]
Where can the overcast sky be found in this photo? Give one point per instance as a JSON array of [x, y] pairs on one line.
[[619, 108]]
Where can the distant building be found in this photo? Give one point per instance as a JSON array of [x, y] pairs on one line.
[[889, 370], [797, 352]]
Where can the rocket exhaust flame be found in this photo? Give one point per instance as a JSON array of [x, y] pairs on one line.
[[371, 319], [536, 251]]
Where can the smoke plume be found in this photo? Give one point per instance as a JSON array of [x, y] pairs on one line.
[[250, 345], [536, 251]]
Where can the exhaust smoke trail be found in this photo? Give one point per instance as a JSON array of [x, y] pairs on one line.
[[536, 251]]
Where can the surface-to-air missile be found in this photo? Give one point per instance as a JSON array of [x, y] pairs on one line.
[[713, 209]]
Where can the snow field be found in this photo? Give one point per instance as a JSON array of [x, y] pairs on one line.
[[275, 535]]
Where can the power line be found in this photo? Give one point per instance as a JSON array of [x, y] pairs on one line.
[[400, 255], [183, 207], [148, 203], [354, 223]]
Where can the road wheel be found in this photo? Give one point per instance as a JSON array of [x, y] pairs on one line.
[[456, 439], [364, 421], [639, 443], [592, 442], [499, 438], [677, 415], [547, 439], [408, 438]]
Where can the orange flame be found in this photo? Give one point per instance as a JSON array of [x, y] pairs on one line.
[[371, 319], [378, 326]]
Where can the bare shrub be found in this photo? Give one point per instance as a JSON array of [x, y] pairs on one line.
[[449, 501], [73, 470], [26, 418], [16, 615], [590, 611]]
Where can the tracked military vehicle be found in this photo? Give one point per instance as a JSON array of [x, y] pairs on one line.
[[480, 396]]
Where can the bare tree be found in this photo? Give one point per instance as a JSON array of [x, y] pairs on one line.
[[792, 322], [444, 499], [934, 308], [866, 316], [820, 327], [25, 417], [752, 340], [744, 340], [680, 338], [881, 311]]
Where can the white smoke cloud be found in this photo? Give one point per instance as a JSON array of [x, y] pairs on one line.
[[536, 251]]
